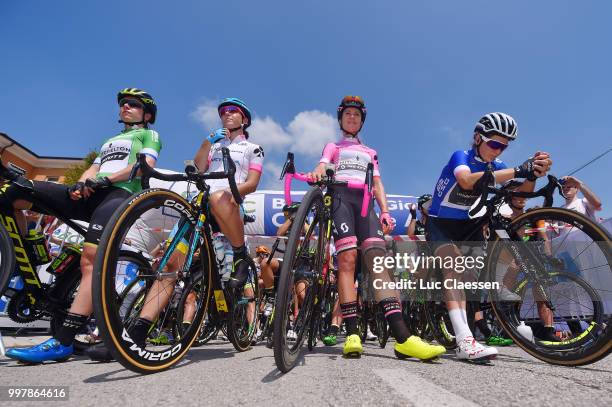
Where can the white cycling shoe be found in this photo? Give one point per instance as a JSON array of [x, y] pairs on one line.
[[469, 349]]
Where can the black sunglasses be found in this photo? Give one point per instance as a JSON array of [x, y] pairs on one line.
[[134, 103]]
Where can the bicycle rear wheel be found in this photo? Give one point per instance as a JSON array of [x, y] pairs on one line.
[[569, 285], [306, 253], [144, 222], [382, 327], [243, 305]]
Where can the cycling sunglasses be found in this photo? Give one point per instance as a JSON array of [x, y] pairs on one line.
[[352, 99], [230, 109], [494, 144], [133, 103]]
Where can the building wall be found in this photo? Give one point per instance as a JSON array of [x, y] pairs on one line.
[[32, 172]]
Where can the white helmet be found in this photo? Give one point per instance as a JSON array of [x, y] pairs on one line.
[[497, 123]]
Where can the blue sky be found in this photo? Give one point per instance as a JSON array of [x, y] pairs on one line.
[[427, 70]]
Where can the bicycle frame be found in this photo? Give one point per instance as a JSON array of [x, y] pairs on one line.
[[24, 265]]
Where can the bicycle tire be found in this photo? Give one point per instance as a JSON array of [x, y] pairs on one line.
[[206, 332], [600, 346], [106, 309], [7, 259], [382, 327], [240, 330], [286, 355]]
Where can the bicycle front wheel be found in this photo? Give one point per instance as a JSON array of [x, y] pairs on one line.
[[560, 279], [294, 307], [143, 223]]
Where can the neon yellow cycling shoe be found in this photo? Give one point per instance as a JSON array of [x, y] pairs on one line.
[[352, 347], [415, 347]]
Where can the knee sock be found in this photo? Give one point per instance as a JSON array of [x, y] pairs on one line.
[[458, 318], [71, 325], [349, 314], [393, 314], [139, 331]]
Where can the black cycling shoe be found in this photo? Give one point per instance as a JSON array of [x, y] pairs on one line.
[[240, 274], [549, 335], [100, 353]]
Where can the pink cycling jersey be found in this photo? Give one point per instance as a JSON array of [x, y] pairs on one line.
[[350, 158]]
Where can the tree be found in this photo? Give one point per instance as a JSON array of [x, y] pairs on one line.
[[74, 172]]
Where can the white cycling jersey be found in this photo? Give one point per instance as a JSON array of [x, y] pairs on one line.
[[246, 155]]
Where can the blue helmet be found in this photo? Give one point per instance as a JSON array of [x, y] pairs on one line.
[[239, 103]]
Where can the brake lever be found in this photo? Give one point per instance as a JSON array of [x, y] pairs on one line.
[[487, 177], [553, 183], [559, 185], [144, 168], [134, 171], [229, 168], [289, 166]]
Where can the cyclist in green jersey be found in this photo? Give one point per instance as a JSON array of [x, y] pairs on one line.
[[101, 189]]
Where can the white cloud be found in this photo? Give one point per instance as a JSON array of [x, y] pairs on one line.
[[269, 134], [271, 172], [311, 130], [207, 114], [306, 134]]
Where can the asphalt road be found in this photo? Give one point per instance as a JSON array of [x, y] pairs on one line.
[[215, 374]]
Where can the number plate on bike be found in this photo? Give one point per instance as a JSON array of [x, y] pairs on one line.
[[220, 301]]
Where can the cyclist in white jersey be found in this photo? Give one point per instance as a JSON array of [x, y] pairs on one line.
[[227, 214]]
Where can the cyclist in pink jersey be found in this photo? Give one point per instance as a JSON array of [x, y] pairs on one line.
[[350, 158]]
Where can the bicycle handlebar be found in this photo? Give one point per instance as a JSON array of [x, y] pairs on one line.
[[190, 175], [288, 172], [546, 191]]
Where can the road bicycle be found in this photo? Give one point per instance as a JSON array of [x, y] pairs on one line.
[[307, 251], [173, 223], [551, 252], [23, 256]]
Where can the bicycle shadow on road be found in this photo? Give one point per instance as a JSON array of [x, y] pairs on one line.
[[536, 362], [327, 352], [105, 377], [210, 353]]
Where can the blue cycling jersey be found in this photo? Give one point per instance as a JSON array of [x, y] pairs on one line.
[[449, 199]]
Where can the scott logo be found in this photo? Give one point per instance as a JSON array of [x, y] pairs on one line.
[[29, 275]]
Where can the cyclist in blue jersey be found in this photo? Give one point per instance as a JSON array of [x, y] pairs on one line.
[[456, 191]]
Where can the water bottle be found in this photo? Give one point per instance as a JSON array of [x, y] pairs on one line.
[[525, 331], [267, 309]]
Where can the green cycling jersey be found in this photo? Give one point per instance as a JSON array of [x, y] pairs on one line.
[[120, 151]]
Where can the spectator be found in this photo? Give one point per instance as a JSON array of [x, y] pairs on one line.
[[587, 205], [416, 226]]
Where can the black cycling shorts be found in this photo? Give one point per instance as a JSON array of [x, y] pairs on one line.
[[97, 209], [443, 231], [350, 229]]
